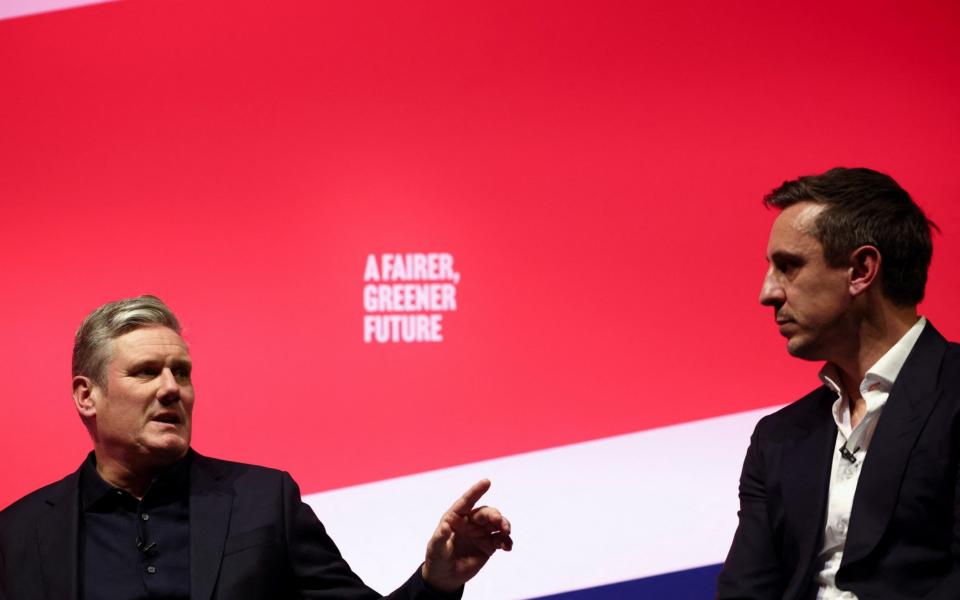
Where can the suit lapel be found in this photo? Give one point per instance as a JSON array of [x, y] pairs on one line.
[[210, 506], [913, 396], [805, 472], [58, 539]]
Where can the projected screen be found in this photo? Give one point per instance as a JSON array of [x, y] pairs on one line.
[[411, 243]]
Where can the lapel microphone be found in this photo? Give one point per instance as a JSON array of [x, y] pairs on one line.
[[145, 547], [846, 454]]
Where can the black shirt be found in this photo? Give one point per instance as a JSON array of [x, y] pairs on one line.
[[135, 550]]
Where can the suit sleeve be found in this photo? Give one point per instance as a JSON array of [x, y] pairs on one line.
[[753, 569], [947, 589], [3, 576], [320, 572]]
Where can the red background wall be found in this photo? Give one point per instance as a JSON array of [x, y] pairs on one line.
[[596, 170]]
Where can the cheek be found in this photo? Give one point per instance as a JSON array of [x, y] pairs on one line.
[[129, 407], [121, 420], [827, 305]]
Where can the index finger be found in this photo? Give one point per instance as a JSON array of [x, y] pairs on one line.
[[464, 504]]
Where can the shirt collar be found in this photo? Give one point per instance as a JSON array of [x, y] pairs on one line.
[[93, 488], [877, 381], [883, 372], [171, 484]]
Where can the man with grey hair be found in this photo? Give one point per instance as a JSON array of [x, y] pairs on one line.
[[145, 516]]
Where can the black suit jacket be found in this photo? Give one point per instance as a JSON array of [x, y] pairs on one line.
[[251, 538], [903, 539]]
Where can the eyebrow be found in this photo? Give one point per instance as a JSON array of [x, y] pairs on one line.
[[784, 256], [148, 362]]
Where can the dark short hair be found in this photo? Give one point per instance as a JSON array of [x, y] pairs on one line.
[[866, 207], [91, 345]]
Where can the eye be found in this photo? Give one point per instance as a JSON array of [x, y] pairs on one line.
[[146, 372], [182, 373], [787, 266]]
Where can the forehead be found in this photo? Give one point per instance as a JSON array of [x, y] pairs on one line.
[[148, 343], [793, 229]]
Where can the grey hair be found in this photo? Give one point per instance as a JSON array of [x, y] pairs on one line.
[[91, 350]]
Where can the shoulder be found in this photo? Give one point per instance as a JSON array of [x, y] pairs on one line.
[[256, 494], [238, 475], [932, 346], [933, 356], [952, 356], [949, 376], [225, 467], [25, 511], [798, 416]]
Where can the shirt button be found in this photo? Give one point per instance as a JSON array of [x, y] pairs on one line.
[[842, 526], [145, 517], [151, 569]]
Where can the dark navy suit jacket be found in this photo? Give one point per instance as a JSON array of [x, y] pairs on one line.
[[903, 539], [251, 538]]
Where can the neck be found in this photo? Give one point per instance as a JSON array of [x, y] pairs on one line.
[[127, 475], [869, 340]]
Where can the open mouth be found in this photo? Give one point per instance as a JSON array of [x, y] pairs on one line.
[[172, 419]]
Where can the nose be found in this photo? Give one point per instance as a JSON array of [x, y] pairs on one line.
[[169, 390], [771, 292]]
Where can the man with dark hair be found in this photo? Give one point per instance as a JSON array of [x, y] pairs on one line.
[[851, 492], [147, 517]]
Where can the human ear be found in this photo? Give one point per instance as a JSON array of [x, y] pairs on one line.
[[84, 396], [864, 269]]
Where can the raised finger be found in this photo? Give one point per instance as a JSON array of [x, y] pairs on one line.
[[464, 504]]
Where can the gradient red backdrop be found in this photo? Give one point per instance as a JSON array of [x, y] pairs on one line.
[[596, 170]]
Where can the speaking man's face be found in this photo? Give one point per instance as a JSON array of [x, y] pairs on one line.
[[811, 299], [144, 413]]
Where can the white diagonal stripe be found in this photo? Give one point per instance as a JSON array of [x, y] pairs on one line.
[[584, 515], [21, 8]]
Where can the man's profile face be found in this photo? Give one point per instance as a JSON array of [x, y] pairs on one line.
[[811, 299], [145, 410]]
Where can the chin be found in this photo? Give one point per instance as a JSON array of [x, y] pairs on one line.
[[168, 450], [803, 350]]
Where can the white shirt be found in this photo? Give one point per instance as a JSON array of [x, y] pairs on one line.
[[875, 388]]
